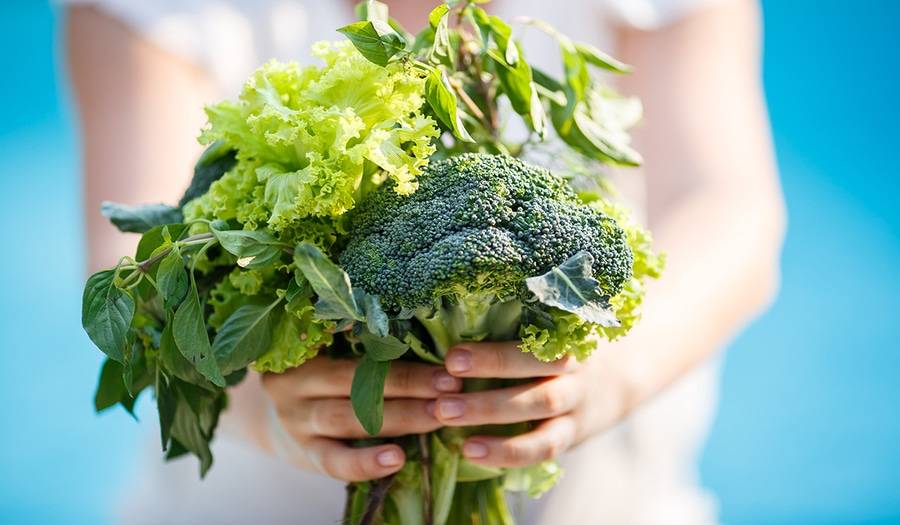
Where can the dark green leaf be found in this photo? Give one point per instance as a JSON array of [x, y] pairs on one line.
[[572, 287], [367, 393], [598, 58], [174, 363], [376, 318], [172, 279], [106, 314], [153, 239], [549, 87], [253, 248], [517, 83], [374, 39], [189, 331], [110, 387], [245, 335], [139, 219], [217, 160], [440, 97], [330, 282], [196, 416], [166, 405], [385, 348]]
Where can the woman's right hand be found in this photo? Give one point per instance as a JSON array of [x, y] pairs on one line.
[[312, 403]]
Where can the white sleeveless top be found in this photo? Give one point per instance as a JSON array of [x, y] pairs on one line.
[[642, 472]]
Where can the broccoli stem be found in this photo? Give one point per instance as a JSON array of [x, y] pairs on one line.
[[476, 317]]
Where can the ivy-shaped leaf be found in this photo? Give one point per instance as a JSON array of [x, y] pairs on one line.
[[572, 287]]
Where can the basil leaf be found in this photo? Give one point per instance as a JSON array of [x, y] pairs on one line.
[[153, 239], [572, 287], [172, 279], [196, 417], [595, 57], [139, 219], [329, 281], [166, 405], [253, 248], [367, 393], [442, 100], [175, 363], [110, 386], [245, 335], [106, 314], [385, 348], [437, 15], [374, 39], [518, 85], [441, 50], [189, 331]]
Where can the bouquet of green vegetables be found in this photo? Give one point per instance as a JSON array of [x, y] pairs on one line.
[[372, 207]]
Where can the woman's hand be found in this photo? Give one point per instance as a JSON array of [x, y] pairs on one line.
[[574, 401], [312, 403]]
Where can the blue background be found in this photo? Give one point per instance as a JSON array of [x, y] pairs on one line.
[[809, 427]]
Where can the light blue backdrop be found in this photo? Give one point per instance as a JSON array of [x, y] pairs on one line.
[[808, 432]]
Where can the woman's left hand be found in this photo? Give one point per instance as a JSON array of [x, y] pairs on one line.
[[573, 401]]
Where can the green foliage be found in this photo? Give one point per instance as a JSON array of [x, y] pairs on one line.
[[312, 165]]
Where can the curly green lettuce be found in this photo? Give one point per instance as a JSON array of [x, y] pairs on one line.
[[311, 140]]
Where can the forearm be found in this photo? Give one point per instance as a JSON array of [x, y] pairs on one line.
[[715, 202]]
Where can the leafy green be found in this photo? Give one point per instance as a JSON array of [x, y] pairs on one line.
[[139, 219], [385, 348], [374, 39], [572, 287], [331, 283], [172, 279], [106, 314], [367, 392], [244, 336], [189, 331]]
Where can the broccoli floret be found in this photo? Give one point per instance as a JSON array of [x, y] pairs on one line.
[[458, 250], [478, 223]]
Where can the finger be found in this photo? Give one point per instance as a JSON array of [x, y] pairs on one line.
[[502, 359], [335, 418], [327, 377], [547, 441], [528, 402], [343, 462]]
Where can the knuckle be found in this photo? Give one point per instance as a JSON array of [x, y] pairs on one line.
[[327, 418], [403, 378], [550, 450], [499, 359], [550, 401], [356, 469], [514, 454]]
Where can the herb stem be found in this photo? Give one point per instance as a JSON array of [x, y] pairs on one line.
[[376, 498]]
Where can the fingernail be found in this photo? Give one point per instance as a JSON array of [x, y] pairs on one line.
[[429, 407], [475, 450], [459, 361], [444, 382], [450, 408], [389, 458]]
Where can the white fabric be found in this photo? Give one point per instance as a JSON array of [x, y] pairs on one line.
[[642, 472]]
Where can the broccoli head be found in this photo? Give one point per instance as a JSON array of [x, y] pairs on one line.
[[478, 225]]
